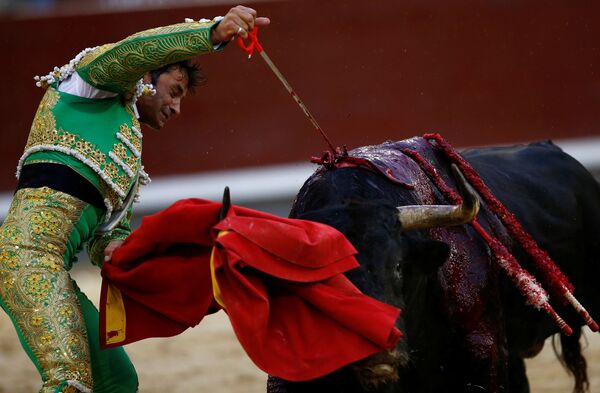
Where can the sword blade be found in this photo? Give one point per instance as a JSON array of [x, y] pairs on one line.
[[295, 96]]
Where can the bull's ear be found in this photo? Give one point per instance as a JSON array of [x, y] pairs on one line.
[[426, 256]]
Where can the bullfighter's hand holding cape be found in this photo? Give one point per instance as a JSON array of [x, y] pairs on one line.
[[279, 280]]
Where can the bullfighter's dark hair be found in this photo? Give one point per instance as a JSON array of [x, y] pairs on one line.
[[194, 73]]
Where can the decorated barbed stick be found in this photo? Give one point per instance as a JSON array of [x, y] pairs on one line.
[[527, 284]]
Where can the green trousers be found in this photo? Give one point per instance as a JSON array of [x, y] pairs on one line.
[[56, 323]]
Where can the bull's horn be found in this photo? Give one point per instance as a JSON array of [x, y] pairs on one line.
[[226, 205], [431, 216]]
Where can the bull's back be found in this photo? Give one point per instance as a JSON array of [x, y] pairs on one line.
[[554, 198], [553, 195]]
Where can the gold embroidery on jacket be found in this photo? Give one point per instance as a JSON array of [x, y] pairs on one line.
[[129, 164], [135, 141], [123, 182], [94, 54], [43, 129], [121, 65], [45, 136], [132, 162], [120, 151], [112, 170]]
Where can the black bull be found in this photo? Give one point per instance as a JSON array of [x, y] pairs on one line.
[[466, 327]]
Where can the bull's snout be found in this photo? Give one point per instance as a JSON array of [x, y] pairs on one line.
[[379, 368], [382, 370]]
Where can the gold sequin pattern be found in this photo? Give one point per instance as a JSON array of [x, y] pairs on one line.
[[36, 288], [135, 122], [123, 182], [111, 170], [135, 141], [43, 129], [130, 161], [120, 151]]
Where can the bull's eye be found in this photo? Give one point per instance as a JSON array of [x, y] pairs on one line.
[[398, 270]]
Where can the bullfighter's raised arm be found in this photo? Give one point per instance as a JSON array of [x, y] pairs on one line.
[[118, 66]]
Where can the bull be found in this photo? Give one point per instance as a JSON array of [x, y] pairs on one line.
[[466, 326]]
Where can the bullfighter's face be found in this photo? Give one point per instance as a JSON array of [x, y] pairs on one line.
[[171, 87]]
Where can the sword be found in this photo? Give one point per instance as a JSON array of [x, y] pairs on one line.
[[119, 214], [254, 44]]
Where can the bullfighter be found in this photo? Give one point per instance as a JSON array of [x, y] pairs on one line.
[[80, 170]]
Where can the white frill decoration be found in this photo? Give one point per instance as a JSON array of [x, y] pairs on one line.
[[204, 20], [62, 73]]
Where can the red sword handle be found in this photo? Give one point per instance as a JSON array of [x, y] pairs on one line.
[[252, 42]]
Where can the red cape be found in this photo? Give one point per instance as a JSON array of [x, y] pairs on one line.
[[280, 282]]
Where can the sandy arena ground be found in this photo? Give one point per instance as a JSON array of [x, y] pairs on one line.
[[209, 359]]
